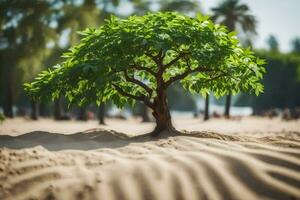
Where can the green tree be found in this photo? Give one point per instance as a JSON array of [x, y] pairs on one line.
[[232, 14], [138, 58], [273, 43], [25, 32], [281, 81], [75, 15], [141, 7], [296, 45]]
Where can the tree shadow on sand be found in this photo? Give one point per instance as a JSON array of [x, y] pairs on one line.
[[102, 138], [87, 140]]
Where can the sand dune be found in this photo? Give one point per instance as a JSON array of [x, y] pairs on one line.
[[203, 166]]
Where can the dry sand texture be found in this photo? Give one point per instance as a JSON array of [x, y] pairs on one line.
[[203, 166], [253, 126]]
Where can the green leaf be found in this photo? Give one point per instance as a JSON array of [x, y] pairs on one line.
[[199, 54]]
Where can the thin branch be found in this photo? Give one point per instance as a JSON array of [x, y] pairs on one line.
[[184, 74], [144, 69], [180, 55], [142, 98], [152, 57], [158, 59], [159, 55], [163, 56], [216, 77], [137, 82]]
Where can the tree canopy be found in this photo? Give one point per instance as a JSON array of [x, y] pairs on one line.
[[138, 58], [25, 31]]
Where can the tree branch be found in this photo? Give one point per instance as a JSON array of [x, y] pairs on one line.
[[144, 69], [180, 55], [184, 74], [137, 82], [158, 59], [142, 98], [154, 58]]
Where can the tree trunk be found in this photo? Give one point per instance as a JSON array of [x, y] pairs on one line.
[[101, 114], [8, 100], [206, 109], [144, 113], [34, 110], [82, 114], [227, 106], [43, 111], [57, 109], [162, 115], [231, 27]]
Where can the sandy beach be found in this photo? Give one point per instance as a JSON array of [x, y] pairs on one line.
[[249, 158]]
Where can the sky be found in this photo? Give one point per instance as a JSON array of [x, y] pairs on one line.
[[280, 18]]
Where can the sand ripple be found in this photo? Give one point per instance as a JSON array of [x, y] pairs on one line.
[[179, 167]]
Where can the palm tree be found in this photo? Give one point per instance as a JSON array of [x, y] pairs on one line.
[[141, 7], [234, 15]]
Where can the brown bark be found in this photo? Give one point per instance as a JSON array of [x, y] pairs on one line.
[[162, 115], [227, 106], [206, 109], [102, 114], [231, 27], [57, 109], [34, 110]]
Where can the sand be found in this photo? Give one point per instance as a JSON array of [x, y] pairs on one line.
[[102, 164], [246, 126]]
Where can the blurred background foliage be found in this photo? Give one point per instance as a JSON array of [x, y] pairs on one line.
[[34, 33]]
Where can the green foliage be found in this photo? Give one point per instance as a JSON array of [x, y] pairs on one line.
[[296, 45], [282, 82], [24, 33], [133, 59], [273, 43]]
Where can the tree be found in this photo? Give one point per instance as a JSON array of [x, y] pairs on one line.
[[206, 108], [141, 7], [233, 14], [101, 114], [281, 81], [79, 15], [25, 32], [296, 45], [138, 58], [34, 111], [273, 43]]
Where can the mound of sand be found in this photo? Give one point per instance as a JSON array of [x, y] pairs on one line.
[[195, 166]]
